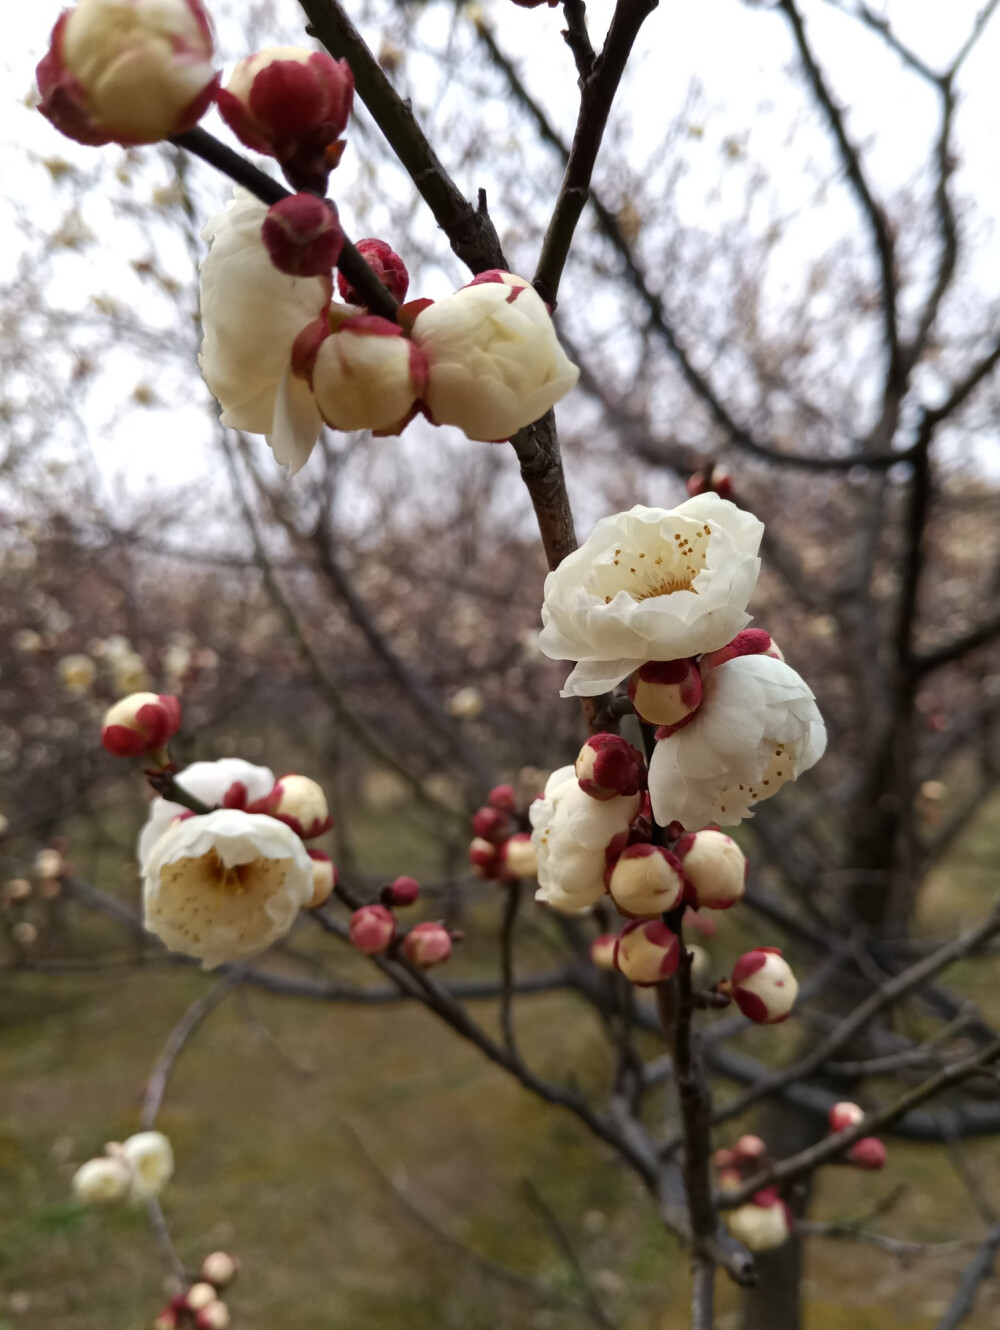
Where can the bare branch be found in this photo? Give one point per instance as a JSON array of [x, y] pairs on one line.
[[979, 1269]]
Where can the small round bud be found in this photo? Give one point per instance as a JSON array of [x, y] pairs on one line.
[[301, 803], [387, 266], [503, 797], [215, 1316], [518, 857], [666, 693], [219, 1268], [647, 952], [199, 1296], [646, 880], [303, 236], [491, 824], [763, 986], [729, 1179], [715, 867], [844, 1115], [484, 858], [466, 703], [751, 642], [403, 891], [869, 1153], [373, 928], [141, 724], [749, 1150], [762, 1225], [48, 864], [607, 766], [25, 934], [714, 480], [324, 878], [427, 944], [167, 1320], [724, 1159], [602, 951], [100, 1180]]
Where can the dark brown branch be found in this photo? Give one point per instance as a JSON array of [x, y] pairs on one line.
[[979, 1269], [578, 38], [511, 906], [952, 651]]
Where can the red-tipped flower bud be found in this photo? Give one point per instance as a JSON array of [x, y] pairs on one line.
[[139, 724], [647, 952], [300, 802], [607, 766], [402, 891], [749, 1149], [716, 481], [868, 1153], [213, 1317], [485, 858], [602, 951], [751, 642], [503, 797], [427, 944], [387, 266], [491, 824], [715, 867], [373, 928], [303, 236], [763, 1224], [646, 880], [666, 693], [763, 986], [844, 1115], [324, 881]]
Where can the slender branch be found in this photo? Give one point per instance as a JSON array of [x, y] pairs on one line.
[[511, 906], [952, 651], [578, 38], [979, 1269], [166, 785]]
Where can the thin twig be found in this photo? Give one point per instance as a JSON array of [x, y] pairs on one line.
[[976, 1272]]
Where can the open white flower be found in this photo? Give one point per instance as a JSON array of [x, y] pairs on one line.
[[494, 363], [252, 314], [106, 1178], [151, 1163], [571, 833], [651, 584], [758, 727], [210, 782], [225, 885]]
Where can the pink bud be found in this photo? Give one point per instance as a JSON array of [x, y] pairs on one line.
[[403, 891], [167, 1320], [607, 766], [503, 797], [140, 724], [844, 1115], [666, 693], [724, 1159], [303, 236], [646, 880], [868, 1153], [387, 266], [373, 928], [715, 867], [324, 881], [647, 952], [602, 951], [427, 944], [518, 857], [763, 986], [491, 824], [717, 481], [751, 642], [484, 858], [749, 1149]]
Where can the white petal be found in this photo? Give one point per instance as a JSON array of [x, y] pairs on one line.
[[297, 422]]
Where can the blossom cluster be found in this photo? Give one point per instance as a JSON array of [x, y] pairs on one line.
[[137, 1170], [201, 1306], [280, 355]]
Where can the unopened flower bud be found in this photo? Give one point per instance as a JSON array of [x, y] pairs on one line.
[[715, 480], [214, 1316], [666, 693], [427, 944], [503, 797], [49, 864], [139, 724], [869, 1153], [724, 1159], [303, 236], [763, 1224], [844, 1115], [301, 803], [749, 1149], [491, 824], [518, 857], [373, 928], [763, 986], [646, 880], [602, 951], [647, 952], [729, 1179], [292, 104], [387, 266], [128, 71], [100, 1180], [219, 1268], [402, 891], [150, 1158], [484, 858], [199, 1296], [607, 766], [751, 642], [715, 867], [324, 878], [368, 375]]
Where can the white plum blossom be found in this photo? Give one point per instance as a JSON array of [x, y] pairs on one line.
[[757, 728], [208, 782], [225, 885], [650, 584], [571, 833], [494, 363], [252, 314], [150, 1159], [107, 1178], [763, 1224]]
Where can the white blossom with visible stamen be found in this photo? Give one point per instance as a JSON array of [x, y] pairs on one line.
[[757, 728], [225, 885], [651, 584]]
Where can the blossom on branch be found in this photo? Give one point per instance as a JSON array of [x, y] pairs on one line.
[[494, 363], [646, 880], [647, 952], [299, 801], [715, 868], [763, 986], [366, 375], [650, 584], [303, 236], [128, 71], [104, 1179], [140, 723], [151, 1161], [607, 765], [230, 781], [225, 885], [387, 266]]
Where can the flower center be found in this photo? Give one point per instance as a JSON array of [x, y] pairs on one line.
[[654, 563]]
